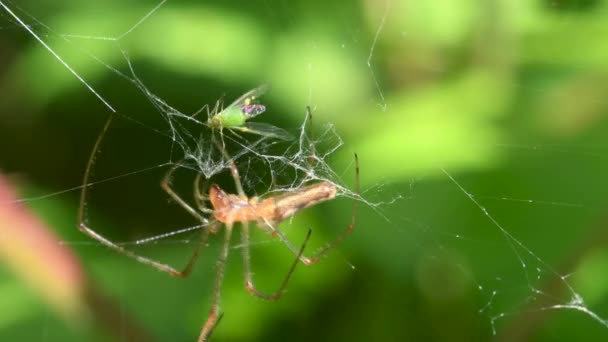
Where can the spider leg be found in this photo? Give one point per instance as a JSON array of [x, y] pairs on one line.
[[166, 185], [84, 227], [325, 249], [237, 179], [200, 198], [215, 315], [233, 169], [349, 229], [249, 285], [199, 195]]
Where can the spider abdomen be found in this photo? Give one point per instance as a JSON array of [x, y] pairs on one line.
[[229, 208]]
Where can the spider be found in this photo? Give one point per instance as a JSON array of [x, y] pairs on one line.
[[228, 209]]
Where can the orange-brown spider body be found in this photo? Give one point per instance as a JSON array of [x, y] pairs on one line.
[[230, 208]]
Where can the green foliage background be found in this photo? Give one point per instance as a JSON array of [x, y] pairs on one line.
[[508, 97]]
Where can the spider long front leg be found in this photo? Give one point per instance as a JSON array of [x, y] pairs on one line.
[[83, 227], [249, 285], [214, 314]]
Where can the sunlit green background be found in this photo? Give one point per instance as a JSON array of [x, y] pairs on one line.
[[507, 97]]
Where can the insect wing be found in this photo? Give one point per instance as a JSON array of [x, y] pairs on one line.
[[253, 110], [253, 93], [266, 130]]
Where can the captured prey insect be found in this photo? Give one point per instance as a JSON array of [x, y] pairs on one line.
[[237, 115], [228, 209]]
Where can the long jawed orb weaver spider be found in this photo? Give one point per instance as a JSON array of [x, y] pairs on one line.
[[229, 209]]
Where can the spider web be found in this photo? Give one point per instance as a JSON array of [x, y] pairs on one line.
[[526, 280]]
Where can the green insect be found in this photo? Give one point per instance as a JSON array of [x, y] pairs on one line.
[[237, 115]]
